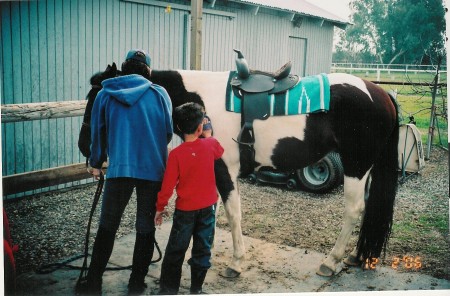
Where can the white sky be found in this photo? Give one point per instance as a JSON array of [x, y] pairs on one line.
[[337, 7]]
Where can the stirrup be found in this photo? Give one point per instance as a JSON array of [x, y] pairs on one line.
[[250, 144]]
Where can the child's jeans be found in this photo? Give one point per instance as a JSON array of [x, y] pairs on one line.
[[199, 225]]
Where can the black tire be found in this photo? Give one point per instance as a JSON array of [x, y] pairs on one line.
[[322, 176], [291, 184], [251, 178]]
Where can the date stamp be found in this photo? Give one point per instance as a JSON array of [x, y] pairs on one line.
[[405, 262]]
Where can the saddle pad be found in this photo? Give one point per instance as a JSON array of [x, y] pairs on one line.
[[311, 94]]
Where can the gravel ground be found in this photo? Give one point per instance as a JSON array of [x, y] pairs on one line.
[[51, 227]]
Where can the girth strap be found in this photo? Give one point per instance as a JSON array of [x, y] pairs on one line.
[[256, 106]]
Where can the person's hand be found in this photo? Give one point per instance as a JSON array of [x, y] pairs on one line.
[[94, 172], [159, 217], [207, 133], [207, 127]]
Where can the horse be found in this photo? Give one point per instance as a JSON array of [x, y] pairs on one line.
[[84, 137], [362, 125]]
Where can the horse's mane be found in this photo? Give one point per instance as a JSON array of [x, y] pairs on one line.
[[110, 72], [173, 83]]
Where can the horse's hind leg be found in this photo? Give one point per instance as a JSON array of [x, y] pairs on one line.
[[352, 259], [354, 189]]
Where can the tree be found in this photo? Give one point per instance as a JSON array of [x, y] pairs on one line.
[[394, 31]]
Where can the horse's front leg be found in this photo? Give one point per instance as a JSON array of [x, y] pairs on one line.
[[233, 211], [354, 206], [226, 180]]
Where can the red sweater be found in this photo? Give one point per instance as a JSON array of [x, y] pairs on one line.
[[190, 168]]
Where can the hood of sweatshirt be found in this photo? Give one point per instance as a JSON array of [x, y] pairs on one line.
[[126, 89]]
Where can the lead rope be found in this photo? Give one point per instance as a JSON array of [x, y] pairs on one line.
[[83, 273], [49, 268]]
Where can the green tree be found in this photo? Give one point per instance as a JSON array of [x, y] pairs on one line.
[[394, 31]]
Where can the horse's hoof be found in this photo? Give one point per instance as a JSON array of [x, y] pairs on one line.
[[229, 273], [325, 271], [352, 261]]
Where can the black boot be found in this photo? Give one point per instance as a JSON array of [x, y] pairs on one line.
[[197, 279], [169, 282], [142, 256], [103, 246]]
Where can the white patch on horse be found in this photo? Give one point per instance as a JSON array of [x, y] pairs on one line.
[[268, 132], [343, 78], [211, 86]]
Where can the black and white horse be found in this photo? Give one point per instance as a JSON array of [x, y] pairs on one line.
[[361, 124]]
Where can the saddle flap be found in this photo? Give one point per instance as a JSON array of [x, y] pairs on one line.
[[256, 106], [284, 84], [255, 83]]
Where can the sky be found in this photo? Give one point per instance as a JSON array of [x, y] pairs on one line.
[[337, 7]]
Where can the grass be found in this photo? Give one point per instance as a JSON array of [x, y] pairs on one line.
[[419, 106], [417, 101], [407, 229], [434, 222], [412, 228]]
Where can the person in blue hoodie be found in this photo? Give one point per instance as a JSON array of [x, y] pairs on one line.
[[131, 125]]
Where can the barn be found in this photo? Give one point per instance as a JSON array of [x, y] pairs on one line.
[[50, 48]]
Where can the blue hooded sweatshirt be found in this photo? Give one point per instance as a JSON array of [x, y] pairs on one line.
[[131, 125]]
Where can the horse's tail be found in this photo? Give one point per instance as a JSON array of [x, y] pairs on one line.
[[377, 222]]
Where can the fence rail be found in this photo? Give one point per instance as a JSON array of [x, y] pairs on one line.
[[399, 67], [380, 72], [37, 111], [23, 182]]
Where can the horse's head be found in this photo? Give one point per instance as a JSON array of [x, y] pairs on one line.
[[110, 72], [84, 139]]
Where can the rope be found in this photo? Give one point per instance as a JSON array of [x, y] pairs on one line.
[[98, 192], [49, 268]]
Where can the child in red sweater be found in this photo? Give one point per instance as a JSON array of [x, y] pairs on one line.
[[190, 168]]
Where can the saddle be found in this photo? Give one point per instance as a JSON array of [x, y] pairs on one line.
[[253, 87]]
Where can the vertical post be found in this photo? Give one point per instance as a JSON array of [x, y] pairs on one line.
[[196, 34], [433, 111], [447, 25]]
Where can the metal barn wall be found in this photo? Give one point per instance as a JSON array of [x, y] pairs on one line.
[[50, 48], [269, 39]]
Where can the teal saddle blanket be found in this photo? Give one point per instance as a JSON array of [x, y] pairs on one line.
[[311, 94]]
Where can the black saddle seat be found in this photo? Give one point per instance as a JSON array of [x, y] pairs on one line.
[[259, 81]]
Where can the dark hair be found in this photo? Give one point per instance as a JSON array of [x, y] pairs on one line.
[[188, 116], [135, 67]]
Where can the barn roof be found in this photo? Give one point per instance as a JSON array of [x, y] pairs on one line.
[[300, 7]]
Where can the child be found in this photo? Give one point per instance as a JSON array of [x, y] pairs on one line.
[[190, 168]]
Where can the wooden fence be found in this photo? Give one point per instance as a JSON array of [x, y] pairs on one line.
[[48, 177], [380, 71]]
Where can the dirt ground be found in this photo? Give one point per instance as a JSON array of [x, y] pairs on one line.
[[313, 221], [50, 227]]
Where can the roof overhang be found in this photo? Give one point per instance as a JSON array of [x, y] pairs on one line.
[[297, 7]]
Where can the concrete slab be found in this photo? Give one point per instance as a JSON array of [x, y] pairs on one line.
[[269, 268]]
